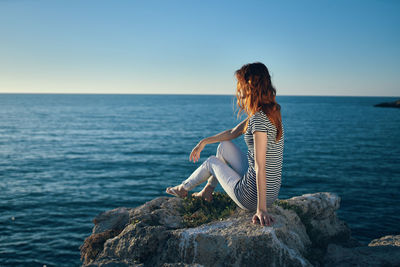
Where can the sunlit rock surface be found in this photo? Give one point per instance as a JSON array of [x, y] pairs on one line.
[[307, 232]]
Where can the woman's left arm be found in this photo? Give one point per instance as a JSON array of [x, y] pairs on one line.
[[260, 152]]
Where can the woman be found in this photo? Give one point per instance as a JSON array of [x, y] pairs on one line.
[[253, 182]]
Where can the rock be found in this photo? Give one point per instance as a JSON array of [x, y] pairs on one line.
[[395, 104], [384, 251], [181, 265], [107, 225], [115, 263], [113, 219], [389, 240], [362, 256], [317, 212], [155, 234]]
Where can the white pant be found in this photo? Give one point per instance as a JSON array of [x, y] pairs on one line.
[[216, 169]]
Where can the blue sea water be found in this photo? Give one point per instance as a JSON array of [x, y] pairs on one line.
[[66, 158]]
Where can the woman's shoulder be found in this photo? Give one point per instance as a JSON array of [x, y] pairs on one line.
[[261, 117]]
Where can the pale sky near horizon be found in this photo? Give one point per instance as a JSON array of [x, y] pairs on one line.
[[193, 47]]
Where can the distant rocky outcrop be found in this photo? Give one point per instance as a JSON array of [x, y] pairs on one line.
[[394, 104], [307, 232]]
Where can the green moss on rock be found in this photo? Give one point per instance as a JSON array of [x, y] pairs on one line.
[[196, 211], [135, 221], [286, 205]]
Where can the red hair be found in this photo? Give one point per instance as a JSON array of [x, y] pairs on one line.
[[255, 92]]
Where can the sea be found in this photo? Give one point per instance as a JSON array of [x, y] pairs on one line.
[[65, 158]]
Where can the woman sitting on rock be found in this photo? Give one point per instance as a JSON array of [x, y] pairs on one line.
[[253, 182]]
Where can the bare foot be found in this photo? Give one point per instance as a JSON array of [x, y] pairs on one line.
[[206, 193], [180, 191]]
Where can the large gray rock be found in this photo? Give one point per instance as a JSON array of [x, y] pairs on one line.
[[317, 212], [112, 219], [362, 256], [154, 235]]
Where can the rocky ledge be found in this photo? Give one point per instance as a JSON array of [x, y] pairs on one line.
[[307, 232]]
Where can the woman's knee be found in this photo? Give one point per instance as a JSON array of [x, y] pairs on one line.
[[223, 145], [212, 158]]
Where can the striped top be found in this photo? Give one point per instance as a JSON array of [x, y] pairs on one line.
[[246, 188]]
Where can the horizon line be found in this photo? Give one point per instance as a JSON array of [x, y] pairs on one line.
[[42, 93]]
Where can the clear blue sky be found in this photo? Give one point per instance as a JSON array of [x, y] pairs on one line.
[[193, 47]]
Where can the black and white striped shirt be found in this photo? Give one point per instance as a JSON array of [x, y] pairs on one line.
[[246, 188]]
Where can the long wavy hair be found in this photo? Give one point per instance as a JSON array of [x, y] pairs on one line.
[[255, 92]]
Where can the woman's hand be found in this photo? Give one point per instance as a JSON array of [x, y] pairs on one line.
[[195, 154], [264, 217]]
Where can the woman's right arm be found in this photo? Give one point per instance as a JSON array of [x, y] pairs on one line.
[[226, 135], [222, 136]]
